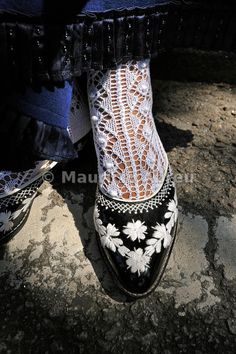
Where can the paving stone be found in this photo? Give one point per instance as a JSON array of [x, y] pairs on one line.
[[183, 277], [226, 237], [57, 246]]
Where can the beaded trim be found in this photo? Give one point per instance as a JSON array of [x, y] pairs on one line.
[[135, 207], [19, 197]]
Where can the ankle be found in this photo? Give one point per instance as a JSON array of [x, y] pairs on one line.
[[132, 162]]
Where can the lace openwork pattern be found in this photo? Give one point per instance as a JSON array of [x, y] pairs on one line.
[[10, 181], [139, 207], [131, 158]]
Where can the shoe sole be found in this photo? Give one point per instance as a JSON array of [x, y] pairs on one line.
[[131, 295]]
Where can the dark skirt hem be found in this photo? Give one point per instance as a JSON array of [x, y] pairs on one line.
[[46, 50], [24, 140]]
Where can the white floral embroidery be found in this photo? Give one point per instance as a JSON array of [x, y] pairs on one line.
[[26, 204], [135, 230], [162, 233], [6, 223], [109, 235], [123, 250], [96, 213], [172, 208], [98, 223], [138, 261], [100, 228], [155, 244], [110, 239], [7, 218], [172, 213]]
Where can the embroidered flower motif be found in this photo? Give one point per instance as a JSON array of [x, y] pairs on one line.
[[123, 250], [25, 205], [109, 239], [135, 230], [172, 213], [155, 244], [96, 213], [6, 223], [138, 261], [172, 208], [108, 234], [99, 227]]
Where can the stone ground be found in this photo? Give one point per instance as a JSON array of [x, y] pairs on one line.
[[56, 295]]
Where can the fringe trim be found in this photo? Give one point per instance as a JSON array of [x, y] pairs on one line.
[[24, 140], [43, 49]]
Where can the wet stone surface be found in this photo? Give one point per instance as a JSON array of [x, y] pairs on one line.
[[56, 295]]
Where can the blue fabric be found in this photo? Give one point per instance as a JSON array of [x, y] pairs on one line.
[[51, 107], [36, 7], [104, 5], [25, 6]]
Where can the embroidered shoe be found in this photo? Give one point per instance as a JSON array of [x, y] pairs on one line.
[[14, 210], [136, 238], [17, 192]]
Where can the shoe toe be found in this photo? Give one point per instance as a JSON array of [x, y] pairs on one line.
[[136, 238], [138, 273]]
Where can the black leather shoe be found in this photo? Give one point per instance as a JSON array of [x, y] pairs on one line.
[[14, 210], [136, 238]]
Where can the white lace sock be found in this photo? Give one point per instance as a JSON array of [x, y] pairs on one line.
[[132, 162], [79, 125]]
